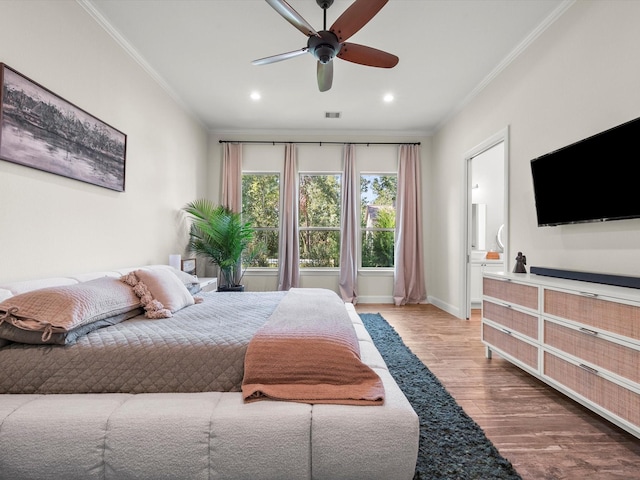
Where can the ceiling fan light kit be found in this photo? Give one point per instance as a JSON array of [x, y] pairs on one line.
[[325, 44]]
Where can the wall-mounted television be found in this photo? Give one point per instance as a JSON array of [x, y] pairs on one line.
[[594, 180]]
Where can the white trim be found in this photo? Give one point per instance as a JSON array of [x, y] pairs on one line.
[[137, 57], [261, 272], [319, 272], [501, 136], [447, 307], [409, 135], [376, 271], [515, 53]]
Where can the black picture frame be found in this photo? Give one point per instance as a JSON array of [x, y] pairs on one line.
[[41, 130]]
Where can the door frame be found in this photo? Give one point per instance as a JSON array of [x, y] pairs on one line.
[[500, 137]]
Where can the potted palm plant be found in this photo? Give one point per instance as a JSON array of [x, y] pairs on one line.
[[219, 234]]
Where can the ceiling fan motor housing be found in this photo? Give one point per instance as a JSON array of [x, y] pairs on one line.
[[325, 47], [324, 4]]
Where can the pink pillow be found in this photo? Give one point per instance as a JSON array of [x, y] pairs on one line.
[[160, 291], [166, 288]]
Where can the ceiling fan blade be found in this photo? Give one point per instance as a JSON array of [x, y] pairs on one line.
[[293, 17], [325, 76], [280, 57], [372, 57], [355, 17]]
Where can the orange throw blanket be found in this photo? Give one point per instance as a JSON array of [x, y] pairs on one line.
[[308, 352]]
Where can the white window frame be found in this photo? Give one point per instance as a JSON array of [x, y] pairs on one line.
[[277, 173], [300, 229], [384, 271]]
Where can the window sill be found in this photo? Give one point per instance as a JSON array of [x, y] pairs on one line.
[[321, 272], [376, 272], [262, 272]]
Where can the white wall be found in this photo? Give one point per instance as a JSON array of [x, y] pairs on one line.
[[53, 225], [580, 77], [372, 286]]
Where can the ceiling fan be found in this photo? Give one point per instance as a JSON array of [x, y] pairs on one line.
[[325, 44]]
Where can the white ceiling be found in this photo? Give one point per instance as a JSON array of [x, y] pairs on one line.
[[201, 52]]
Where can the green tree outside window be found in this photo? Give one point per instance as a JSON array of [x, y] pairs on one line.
[[378, 219], [261, 207]]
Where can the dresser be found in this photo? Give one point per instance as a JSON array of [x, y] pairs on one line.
[[478, 269], [581, 338]]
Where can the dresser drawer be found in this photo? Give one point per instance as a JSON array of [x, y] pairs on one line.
[[518, 349], [510, 292], [616, 358], [606, 315], [618, 400], [510, 318]]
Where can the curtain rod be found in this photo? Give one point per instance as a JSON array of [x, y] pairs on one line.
[[263, 142]]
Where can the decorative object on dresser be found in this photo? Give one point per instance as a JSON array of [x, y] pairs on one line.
[[41, 130], [582, 338], [521, 261]]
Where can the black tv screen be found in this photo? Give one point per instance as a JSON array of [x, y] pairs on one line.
[[594, 180]]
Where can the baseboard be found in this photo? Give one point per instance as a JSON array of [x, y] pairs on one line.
[[455, 311], [603, 278]]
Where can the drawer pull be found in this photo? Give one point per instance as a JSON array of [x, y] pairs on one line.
[[588, 369], [506, 331], [588, 294], [507, 305], [587, 331]]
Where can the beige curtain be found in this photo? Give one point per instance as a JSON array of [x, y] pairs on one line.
[[409, 282], [348, 281], [288, 263], [232, 176]]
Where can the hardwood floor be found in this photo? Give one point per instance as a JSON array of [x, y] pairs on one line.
[[543, 433]]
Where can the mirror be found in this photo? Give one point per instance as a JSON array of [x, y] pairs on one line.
[[479, 226], [487, 199], [499, 239]]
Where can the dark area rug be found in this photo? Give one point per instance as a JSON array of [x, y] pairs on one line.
[[452, 445]]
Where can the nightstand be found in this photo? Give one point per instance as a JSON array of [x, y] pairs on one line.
[[208, 284]]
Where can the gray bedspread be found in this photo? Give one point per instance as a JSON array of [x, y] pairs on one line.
[[200, 349]]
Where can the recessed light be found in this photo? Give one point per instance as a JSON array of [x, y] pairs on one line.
[[255, 96], [388, 98]]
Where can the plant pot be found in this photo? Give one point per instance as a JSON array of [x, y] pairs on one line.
[[231, 288]]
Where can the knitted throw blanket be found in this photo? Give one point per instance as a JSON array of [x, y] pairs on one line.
[[308, 352]]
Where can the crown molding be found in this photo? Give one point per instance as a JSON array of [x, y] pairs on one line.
[[511, 57]]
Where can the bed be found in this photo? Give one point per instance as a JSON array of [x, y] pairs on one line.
[[77, 404]]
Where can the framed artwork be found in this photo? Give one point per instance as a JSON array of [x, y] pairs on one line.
[[41, 130], [189, 266]]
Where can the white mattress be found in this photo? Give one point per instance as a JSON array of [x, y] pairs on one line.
[[209, 435]]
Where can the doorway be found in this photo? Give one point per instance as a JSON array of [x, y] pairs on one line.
[[486, 216]]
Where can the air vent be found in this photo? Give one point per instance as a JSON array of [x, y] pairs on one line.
[[332, 114]]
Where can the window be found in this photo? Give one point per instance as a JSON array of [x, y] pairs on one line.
[[319, 220], [377, 219], [261, 207]]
